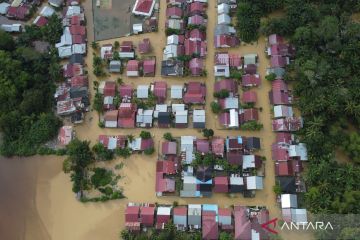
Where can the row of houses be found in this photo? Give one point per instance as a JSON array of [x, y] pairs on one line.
[[288, 154], [138, 144], [176, 160], [163, 115], [240, 221], [72, 96], [19, 9], [225, 33], [186, 27]]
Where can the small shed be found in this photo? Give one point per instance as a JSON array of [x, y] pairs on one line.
[[289, 201], [115, 66], [199, 118], [142, 91]]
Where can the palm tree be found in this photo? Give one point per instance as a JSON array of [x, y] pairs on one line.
[[130, 137], [94, 45], [120, 81]]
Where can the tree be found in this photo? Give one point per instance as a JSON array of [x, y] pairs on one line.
[[248, 22], [223, 93], [123, 152], [225, 236], [145, 135], [102, 153], [116, 45], [130, 137], [6, 41], [120, 81], [149, 151], [94, 45], [208, 133], [98, 102], [351, 146], [53, 30], [215, 107], [168, 136], [270, 77]]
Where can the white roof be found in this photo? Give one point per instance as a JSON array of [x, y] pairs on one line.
[[177, 107], [105, 50], [11, 27], [234, 118], [4, 7], [198, 116], [174, 23], [108, 100], [299, 150], [126, 54], [135, 144], [255, 235], [224, 19], [223, 8], [299, 216], [170, 51], [73, 10], [289, 201], [164, 211], [137, 27], [248, 161], [66, 38], [65, 51], [144, 116], [142, 91], [79, 48], [189, 180], [250, 58], [173, 39], [112, 143], [160, 108], [187, 146], [236, 180], [231, 103], [47, 11], [283, 111], [176, 92], [254, 183], [181, 116], [221, 71], [16, 3], [194, 209]]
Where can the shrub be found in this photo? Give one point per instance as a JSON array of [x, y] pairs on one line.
[[215, 107], [145, 135], [149, 151]]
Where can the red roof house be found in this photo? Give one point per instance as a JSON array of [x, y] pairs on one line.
[[221, 184], [132, 213], [196, 66], [169, 148], [287, 124], [195, 93], [225, 219], [144, 7], [126, 117], [250, 69], [164, 185], [160, 91], [79, 81], [149, 67], [210, 229], [196, 20], [275, 39], [279, 93], [78, 39], [40, 21], [279, 152], [145, 46], [174, 12], [147, 216], [197, 47], [283, 168], [251, 114], [250, 80], [235, 60], [197, 8], [167, 167], [235, 158], [126, 46], [226, 84], [202, 145], [196, 34], [242, 223], [278, 61], [125, 90], [146, 144], [283, 137], [77, 30], [226, 41], [132, 65], [120, 141], [109, 89], [224, 119], [249, 97], [218, 146]]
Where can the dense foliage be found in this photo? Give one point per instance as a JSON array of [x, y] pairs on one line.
[[27, 86]]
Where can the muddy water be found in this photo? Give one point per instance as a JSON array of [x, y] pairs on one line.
[[47, 199]]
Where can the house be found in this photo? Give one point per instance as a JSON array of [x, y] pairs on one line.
[[172, 51], [226, 41], [176, 92], [19, 12], [250, 69], [79, 48], [40, 21], [254, 183], [218, 146], [195, 93], [230, 119], [250, 80], [65, 107], [297, 216], [194, 216], [251, 162], [109, 89], [12, 28], [47, 11], [187, 147], [137, 28], [160, 108], [253, 143], [235, 143], [196, 66], [279, 94], [143, 8], [127, 50], [281, 49], [229, 85], [284, 137], [249, 97], [167, 167], [66, 134], [169, 148], [196, 8], [242, 223], [287, 124], [140, 144], [222, 29], [235, 61], [204, 180], [181, 119], [234, 158], [225, 219], [175, 39], [111, 119], [287, 184], [288, 168], [251, 58], [144, 46], [115, 66], [275, 39], [236, 184], [249, 114], [113, 142], [222, 65], [71, 70], [174, 12], [147, 216], [72, 2], [126, 116], [132, 218], [281, 111], [198, 118], [125, 91], [223, 19], [149, 67], [163, 214], [189, 187], [180, 218], [4, 7], [106, 51], [177, 3], [64, 51], [164, 119], [56, 3], [202, 146], [172, 68], [177, 24], [298, 151], [279, 61], [289, 201], [77, 58], [195, 47], [144, 118], [221, 184], [197, 20], [132, 68], [229, 103], [279, 72], [79, 81], [160, 91], [279, 152], [196, 34], [142, 91], [210, 229], [223, 8]]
